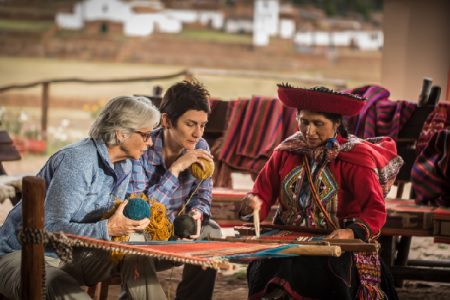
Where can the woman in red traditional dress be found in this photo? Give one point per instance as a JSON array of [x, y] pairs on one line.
[[324, 178]]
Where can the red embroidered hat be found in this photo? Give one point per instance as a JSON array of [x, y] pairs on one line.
[[321, 100]]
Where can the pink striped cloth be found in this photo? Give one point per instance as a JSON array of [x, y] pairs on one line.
[[255, 128], [380, 116]]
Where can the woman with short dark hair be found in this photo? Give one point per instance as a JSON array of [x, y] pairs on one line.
[[163, 173]]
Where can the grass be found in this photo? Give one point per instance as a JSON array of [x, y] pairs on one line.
[[25, 26], [215, 36]]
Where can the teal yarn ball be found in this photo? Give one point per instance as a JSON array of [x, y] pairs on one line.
[[137, 209]]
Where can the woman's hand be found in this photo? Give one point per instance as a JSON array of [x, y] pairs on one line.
[[119, 225], [249, 204], [196, 214], [341, 234], [187, 159]]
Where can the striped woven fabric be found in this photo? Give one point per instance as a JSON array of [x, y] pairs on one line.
[[380, 116], [211, 254], [255, 128], [430, 174], [437, 120]]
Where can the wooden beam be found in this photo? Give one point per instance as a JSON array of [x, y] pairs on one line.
[[44, 112], [32, 268]]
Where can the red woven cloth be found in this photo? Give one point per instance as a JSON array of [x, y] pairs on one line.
[[437, 120], [255, 128], [380, 116]]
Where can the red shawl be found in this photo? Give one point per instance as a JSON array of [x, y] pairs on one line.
[[379, 154]]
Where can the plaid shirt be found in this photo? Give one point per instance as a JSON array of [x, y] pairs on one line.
[[151, 176]]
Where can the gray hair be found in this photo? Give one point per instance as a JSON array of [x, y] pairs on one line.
[[125, 114]]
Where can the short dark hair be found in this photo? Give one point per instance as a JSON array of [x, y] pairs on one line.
[[184, 96]]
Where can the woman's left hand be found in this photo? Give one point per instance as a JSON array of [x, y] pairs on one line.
[[341, 234]]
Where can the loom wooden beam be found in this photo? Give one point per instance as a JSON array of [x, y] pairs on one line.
[[316, 250], [350, 245], [32, 268]]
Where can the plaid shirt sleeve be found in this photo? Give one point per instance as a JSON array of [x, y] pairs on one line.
[[161, 191], [202, 198], [158, 183]]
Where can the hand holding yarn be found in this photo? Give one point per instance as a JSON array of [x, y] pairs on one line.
[[139, 214], [120, 225], [188, 226], [205, 172], [188, 158], [137, 209]]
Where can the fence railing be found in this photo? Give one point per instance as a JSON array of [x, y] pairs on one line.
[[188, 74]]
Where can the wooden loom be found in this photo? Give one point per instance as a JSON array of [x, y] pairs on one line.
[[218, 254]]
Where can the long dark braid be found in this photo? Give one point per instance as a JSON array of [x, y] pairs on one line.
[[342, 131]]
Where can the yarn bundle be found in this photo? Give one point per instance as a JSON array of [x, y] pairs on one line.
[[140, 207], [199, 173], [137, 209]]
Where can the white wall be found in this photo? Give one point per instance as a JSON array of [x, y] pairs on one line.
[[71, 21], [265, 21], [215, 18], [287, 28], [236, 26], [141, 25], [266, 16], [183, 15], [110, 10], [363, 40]]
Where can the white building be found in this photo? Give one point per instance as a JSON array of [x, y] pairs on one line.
[[239, 25], [265, 21], [214, 19], [362, 40], [286, 28], [133, 19]]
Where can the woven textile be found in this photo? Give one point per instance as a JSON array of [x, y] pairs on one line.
[[430, 174], [210, 254], [380, 116], [437, 120], [255, 128]]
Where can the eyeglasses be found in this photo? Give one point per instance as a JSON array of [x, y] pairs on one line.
[[144, 135]]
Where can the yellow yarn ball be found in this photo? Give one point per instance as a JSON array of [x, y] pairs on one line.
[[201, 174]]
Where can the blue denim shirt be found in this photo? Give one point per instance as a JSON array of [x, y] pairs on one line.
[[81, 185], [151, 176]]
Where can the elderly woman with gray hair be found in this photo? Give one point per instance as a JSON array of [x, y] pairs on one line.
[[83, 180]]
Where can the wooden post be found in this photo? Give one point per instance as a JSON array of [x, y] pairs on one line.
[[32, 269], [189, 76], [44, 113]]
